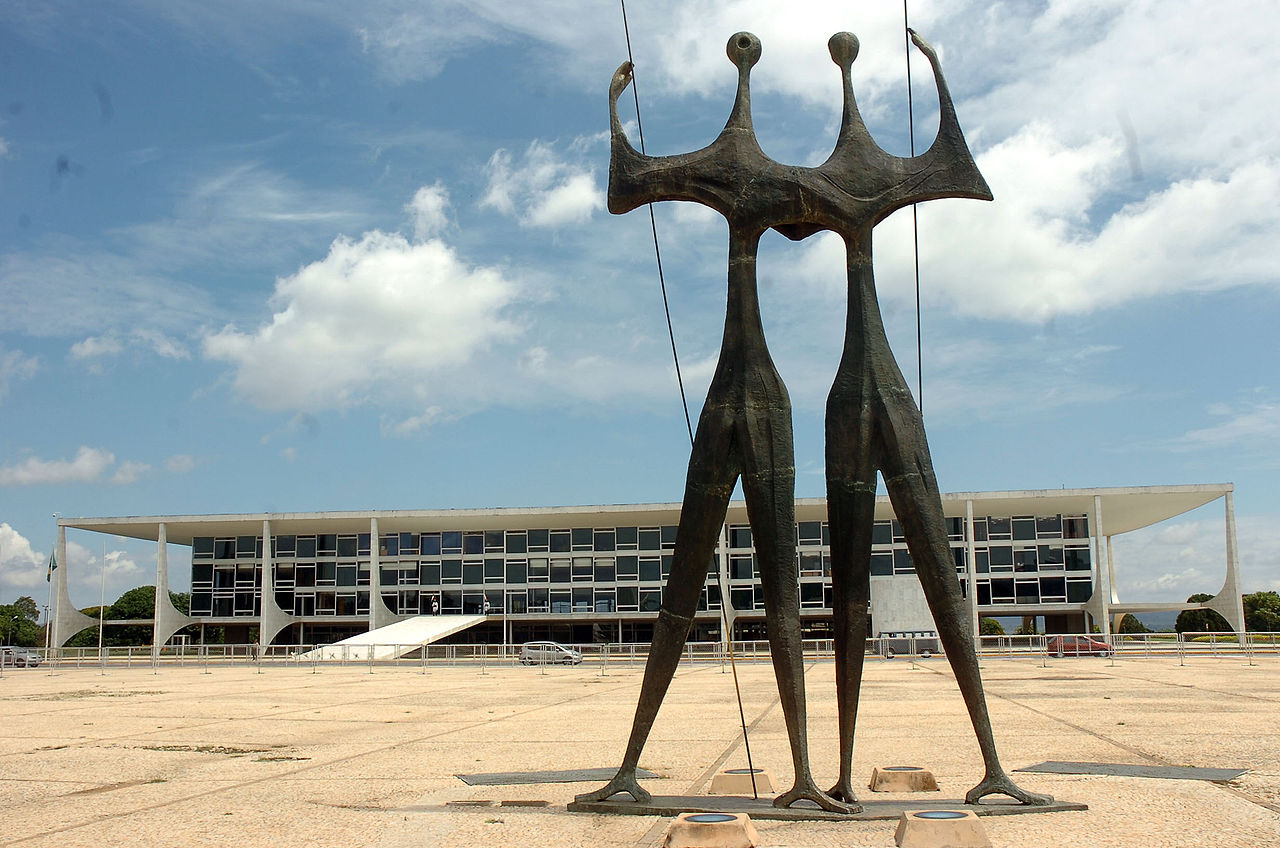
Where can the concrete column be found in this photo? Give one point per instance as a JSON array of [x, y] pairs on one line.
[[971, 571], [167, 620], [379, 614], [1228, 602], [65, 619], [271, 618], [1099, 605], [727, 613]]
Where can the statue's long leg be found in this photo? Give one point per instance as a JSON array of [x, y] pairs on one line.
[[712, 473], [851, 491], [913, 489], [851, 502], [768, 482]]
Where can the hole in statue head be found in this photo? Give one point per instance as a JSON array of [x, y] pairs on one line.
[[744, 42]]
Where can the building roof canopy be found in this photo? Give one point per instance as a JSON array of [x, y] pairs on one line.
[[1123, 509]]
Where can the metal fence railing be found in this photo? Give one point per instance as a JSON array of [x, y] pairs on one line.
[[1041, 647]]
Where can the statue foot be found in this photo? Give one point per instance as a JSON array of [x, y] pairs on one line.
[[1001, 784], [843, 791], [623, 781], [810, 792]]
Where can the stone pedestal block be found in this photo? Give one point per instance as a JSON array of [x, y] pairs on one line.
[[711, 830], [738, 782], [941, 829], [902, 779]]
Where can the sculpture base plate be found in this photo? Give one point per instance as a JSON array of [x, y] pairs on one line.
[[872, 810]]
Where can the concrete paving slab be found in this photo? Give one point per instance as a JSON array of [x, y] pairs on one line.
[[357, 759], [1217, 775]]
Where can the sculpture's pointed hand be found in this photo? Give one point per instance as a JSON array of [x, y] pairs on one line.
[[925, 47], [621, 79]]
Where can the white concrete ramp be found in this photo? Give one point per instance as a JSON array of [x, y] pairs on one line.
[[394, 640]]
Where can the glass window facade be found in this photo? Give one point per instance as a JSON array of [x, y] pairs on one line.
[[1041, 559]]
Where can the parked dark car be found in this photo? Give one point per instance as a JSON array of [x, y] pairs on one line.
[[1078, 646]]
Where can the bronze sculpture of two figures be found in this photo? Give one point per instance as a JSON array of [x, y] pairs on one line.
[[872, 424]]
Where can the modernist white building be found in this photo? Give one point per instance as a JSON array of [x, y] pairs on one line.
[[595, 573]]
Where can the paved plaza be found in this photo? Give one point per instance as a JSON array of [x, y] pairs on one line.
[[348, 756]]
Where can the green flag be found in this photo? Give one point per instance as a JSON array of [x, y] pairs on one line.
[[53, 566]]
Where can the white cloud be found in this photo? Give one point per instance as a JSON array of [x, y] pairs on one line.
[[1173, 560], [129, 471], [15, 366], [1254, 424], [162, 345], [180, 463], [95, 347], [119, 566], [89, 465], [289, 453], [132, 289], [20, 564], [570, 202], [540, 189], [412, 42], [429, 210], [379, 316], [413, 424], [1035, 253]]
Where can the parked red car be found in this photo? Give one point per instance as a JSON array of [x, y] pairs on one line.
[[1078, 646]]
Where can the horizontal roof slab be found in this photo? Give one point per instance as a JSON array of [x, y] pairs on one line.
[[1123, 509]]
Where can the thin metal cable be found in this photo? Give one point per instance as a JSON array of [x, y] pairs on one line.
[[653, 226], [915, 225]]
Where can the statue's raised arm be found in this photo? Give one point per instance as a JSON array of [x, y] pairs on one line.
[[705, 176]]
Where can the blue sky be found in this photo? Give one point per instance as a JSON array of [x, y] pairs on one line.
[[304, 256]]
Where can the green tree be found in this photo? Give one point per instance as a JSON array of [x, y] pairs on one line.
[[1131, 624], [991, 627], [19, 622], [137, 603], [1200, 620], [1262, 612]]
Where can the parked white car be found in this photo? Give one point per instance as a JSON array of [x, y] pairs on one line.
[[536, 653], [18, 657]]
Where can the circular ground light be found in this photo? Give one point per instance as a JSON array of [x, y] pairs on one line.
[[939, 814], [743, 771], [711, 818], [903, 768]]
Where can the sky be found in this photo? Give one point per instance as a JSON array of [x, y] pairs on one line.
[[288, 256]]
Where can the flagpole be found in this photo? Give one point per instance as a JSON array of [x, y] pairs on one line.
[[102, 595], [48, 608]]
